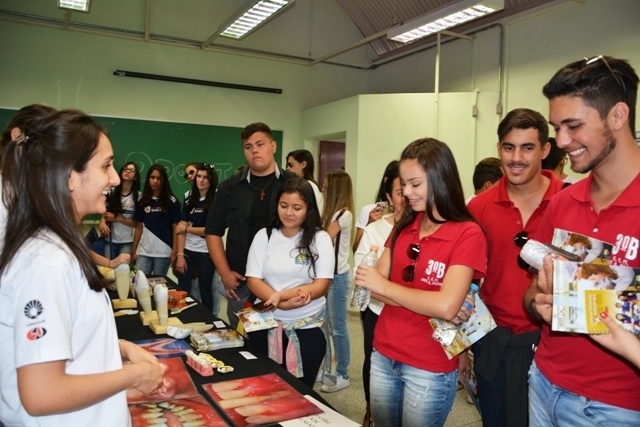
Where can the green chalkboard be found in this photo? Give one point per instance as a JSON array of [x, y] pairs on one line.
[[172, 145]]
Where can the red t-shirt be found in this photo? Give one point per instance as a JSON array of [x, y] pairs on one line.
[[505, 284], [403, 335], [575, 362]]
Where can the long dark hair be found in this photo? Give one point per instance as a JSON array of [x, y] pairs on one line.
[[35, 183], [115, 199], [23, 119], [381, 196], [305, 156], [212, 176], [444, 189], [311, 224], [164, 198]]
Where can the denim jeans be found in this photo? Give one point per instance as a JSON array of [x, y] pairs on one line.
[[112, 250], [337, 316], [404, 396], [152, 266], [550, 405]]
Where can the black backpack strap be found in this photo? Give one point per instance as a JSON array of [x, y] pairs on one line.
[[337, 246]]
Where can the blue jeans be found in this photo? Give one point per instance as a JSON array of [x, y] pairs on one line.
[[550, 405], [112, 250], [404, 396], [152, 266], [337, 316]]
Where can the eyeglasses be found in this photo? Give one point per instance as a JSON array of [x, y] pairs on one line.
[[289, 164], [130, 170], [208, 165], [589, 61], [520, 240], [188, 173], [413, 250]]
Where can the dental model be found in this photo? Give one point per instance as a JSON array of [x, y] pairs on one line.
[[161, 295], [199, 363]]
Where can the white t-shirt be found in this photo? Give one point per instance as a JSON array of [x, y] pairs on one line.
[[319, 196], [375, 233], [346, 222], [3, 218], [121, 233], [363, 219], [49, 313], [278, 262]]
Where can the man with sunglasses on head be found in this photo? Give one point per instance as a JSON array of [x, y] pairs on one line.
[[573, 380], [509, 213]]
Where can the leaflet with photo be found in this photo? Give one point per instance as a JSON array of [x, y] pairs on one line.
[[255, 318]]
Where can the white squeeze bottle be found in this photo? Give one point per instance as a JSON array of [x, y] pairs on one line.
[[360, 296]]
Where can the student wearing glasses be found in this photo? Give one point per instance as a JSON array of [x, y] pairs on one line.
[[510, 213], [302, 164], [191, 246], [431, 258], [574, 380]]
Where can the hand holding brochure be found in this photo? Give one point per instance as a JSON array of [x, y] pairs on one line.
[[256, 319]]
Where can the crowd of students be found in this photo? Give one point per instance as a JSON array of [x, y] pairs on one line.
[[288, 245]]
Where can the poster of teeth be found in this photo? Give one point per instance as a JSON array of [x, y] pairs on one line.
[[265, 399], [188, 412], [177, 384]]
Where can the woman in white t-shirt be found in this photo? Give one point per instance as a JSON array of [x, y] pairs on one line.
[[61, 362], [289, 268], [337, 219], [117, 224]]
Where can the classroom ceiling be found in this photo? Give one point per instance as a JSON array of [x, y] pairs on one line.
[[340, 32]]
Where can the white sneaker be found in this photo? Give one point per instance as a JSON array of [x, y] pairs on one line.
[[339, 385]]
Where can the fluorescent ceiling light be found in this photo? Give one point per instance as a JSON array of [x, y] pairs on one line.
[[444, 18], [257, 13], [78, 5]]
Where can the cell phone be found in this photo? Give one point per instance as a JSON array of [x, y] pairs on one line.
[[383, 205], [565, 254]]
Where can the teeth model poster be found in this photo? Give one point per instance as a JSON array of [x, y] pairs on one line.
[[190, 411], [259, 400]]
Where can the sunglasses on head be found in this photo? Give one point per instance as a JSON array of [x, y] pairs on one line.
[[408, 273], [589, 61]]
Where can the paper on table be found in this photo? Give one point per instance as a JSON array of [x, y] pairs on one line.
[[328, 418]]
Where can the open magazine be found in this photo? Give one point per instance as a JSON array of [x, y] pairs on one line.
[[477, 326], [255, 318], [584, 289]]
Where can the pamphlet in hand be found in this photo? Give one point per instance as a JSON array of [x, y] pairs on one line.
[[599, 282], [479, 324], [581, 291], [255, 318]]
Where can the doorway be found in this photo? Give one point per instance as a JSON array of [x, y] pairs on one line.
[[331, 158]]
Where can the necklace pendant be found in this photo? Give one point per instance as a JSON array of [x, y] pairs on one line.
[[262, 195]]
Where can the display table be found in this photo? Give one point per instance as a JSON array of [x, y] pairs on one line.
[[246, 361]]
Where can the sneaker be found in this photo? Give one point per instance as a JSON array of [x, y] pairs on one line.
[[319, 376], [339, 385]]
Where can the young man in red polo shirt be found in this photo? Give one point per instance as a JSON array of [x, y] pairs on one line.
[[509, 214], [573, 380]]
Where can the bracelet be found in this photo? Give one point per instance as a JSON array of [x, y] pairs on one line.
[[180, 254], [532, 311]]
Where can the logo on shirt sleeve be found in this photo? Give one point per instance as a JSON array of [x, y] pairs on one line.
[[33, 309], [36, 333]]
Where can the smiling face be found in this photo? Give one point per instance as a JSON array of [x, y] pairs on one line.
[[581, 133], [259, 152], [521, 154], [89, 188], [292, 211], [414, 184]]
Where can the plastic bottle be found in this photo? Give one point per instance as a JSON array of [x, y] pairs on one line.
[[445, 331], [360, 296]]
